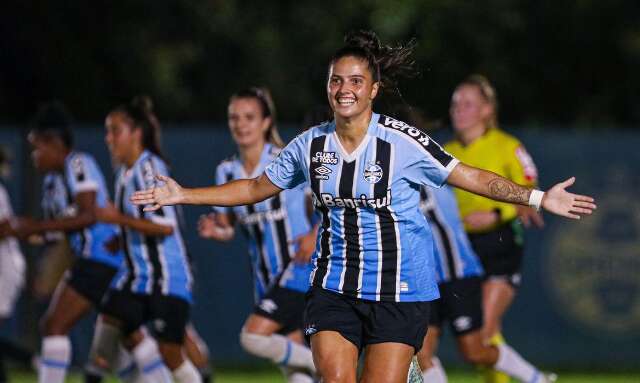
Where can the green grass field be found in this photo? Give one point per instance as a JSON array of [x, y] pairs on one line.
[[232, 376]]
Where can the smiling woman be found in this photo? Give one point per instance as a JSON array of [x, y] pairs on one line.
[[373, 277]]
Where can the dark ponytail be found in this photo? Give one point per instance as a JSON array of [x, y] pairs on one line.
[[386, 63], [268, 108], [140, 111]]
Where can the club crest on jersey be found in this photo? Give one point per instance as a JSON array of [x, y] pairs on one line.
[[322, 172], [372, 173], [327, 158]]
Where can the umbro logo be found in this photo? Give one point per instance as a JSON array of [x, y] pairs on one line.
[[310, 330], [462, 323], [322, 172], [268, 305]]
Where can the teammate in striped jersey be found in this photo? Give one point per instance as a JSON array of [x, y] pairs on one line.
[[155, 286], [459, 276], [73, 188], [374, 275], [281, 239]]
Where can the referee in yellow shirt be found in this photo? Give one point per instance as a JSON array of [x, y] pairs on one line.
[[494, 228]]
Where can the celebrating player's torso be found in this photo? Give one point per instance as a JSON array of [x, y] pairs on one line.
[[373, 237]]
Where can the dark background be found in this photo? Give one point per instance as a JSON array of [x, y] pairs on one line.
[[564, 62]]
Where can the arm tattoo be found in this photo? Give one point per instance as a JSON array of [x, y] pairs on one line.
[[507, 191]]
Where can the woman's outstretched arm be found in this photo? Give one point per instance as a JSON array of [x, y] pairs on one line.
[[234, 193], [555, 200]]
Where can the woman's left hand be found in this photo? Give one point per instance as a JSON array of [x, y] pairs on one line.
[[559, 201]]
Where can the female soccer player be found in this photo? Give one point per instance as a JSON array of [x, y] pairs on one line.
[[458, 272], [73, 188], [373, 276], [155, 287], [280, 268], [494, 228]]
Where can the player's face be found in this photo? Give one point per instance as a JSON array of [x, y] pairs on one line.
[[47, 153], [120, 137], [468, 110], [350, 87], [246, 122]]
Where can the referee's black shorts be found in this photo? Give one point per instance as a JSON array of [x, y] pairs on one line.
[[501, 251]]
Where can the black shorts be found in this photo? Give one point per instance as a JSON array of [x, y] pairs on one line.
[[284, 306], [167, 316], [90, 279], [365, 322], [460, 303], [501, 252]]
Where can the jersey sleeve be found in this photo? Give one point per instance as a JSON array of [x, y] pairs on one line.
[[81, 173], [151, 167], [224, 174], [521, 168], [427, 164], [288, 169]]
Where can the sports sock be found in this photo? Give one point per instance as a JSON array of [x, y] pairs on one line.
[[490, 374], [278, 349], [125, 367], [56, 355], [187, 373], [150, 362], [436, 373], [510, 362]]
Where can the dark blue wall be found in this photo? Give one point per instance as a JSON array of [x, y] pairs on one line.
[[580, 301]]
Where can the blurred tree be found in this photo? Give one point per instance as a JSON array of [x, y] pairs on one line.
[[563, 62]]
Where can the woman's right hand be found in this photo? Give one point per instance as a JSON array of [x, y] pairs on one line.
[[169, 194], [210, 228]]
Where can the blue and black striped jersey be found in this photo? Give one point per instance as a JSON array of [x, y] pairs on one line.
[[154, 264], [270, 226], [455, 258], [374, 242], [81, 174]]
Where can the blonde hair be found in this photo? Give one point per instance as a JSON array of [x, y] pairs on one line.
[[488, 93]]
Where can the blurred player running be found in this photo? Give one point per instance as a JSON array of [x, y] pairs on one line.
[[281, 239], [154, 288], [73, 188]]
